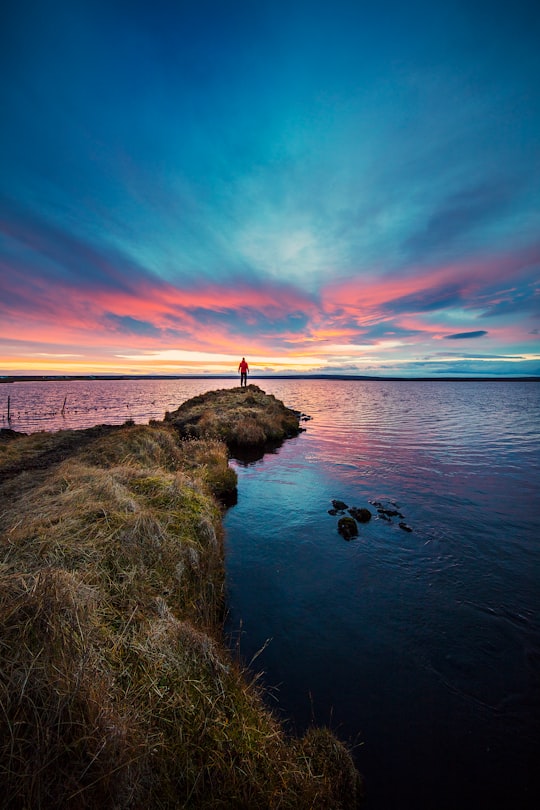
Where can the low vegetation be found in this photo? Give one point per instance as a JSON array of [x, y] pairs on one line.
[[241, 417], [115, 688]]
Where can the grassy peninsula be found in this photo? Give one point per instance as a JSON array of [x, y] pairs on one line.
[[116, 690]]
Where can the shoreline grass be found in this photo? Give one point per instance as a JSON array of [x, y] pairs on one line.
[[116, 689]]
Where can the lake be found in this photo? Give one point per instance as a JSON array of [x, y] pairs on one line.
[[419, 648]]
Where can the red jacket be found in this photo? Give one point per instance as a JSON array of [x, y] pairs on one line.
[[243, 367]]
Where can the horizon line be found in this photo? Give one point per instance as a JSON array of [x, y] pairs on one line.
[[10, 378]]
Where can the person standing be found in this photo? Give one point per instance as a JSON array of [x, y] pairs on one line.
[[243, 368]]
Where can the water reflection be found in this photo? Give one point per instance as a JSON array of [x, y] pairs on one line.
[[398, 639], [38, 405]]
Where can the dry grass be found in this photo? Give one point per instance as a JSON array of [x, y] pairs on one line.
[[241, 417], [115, 690]]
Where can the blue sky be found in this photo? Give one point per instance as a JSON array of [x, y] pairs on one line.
[[335, 187]]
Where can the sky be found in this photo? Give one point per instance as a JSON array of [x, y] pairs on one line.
[[321, 187]]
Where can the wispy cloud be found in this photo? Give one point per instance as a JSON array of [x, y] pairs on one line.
[[466, 335], [463, 214]]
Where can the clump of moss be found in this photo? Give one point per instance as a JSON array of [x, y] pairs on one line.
[[115, 687], [241, 417]]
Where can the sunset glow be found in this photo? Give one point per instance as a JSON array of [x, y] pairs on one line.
[[328, 188]]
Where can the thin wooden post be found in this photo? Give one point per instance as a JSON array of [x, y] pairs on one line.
[[64, 406], [8, 411]]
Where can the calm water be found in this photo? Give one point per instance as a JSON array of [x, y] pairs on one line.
[[38, 405], [421, 648]]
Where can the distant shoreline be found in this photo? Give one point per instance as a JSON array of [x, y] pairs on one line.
[[10, 378]]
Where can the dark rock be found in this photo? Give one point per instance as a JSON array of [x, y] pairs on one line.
[[361, 515], [334, 512], [347, 527], [389, 512], [386, 510], [339, 505]]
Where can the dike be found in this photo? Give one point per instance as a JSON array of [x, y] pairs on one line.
[[117, 690]]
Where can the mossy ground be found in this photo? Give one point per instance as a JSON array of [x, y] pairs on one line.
[[116, 690], [241, 417]]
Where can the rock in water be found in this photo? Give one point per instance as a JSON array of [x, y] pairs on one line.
[[361, 515], [347, 527]]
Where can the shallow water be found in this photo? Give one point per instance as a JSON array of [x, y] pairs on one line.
[[420, 648], [73, 404]]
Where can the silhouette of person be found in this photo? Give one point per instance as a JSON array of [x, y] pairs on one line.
[[243, 368]]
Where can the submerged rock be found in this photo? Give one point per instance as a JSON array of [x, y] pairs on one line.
[[387, 510], [339, 506], [347, 527], [361, 515]]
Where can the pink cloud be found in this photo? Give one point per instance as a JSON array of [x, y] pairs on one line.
[[479, 284], [34, 309], [147, 315]]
